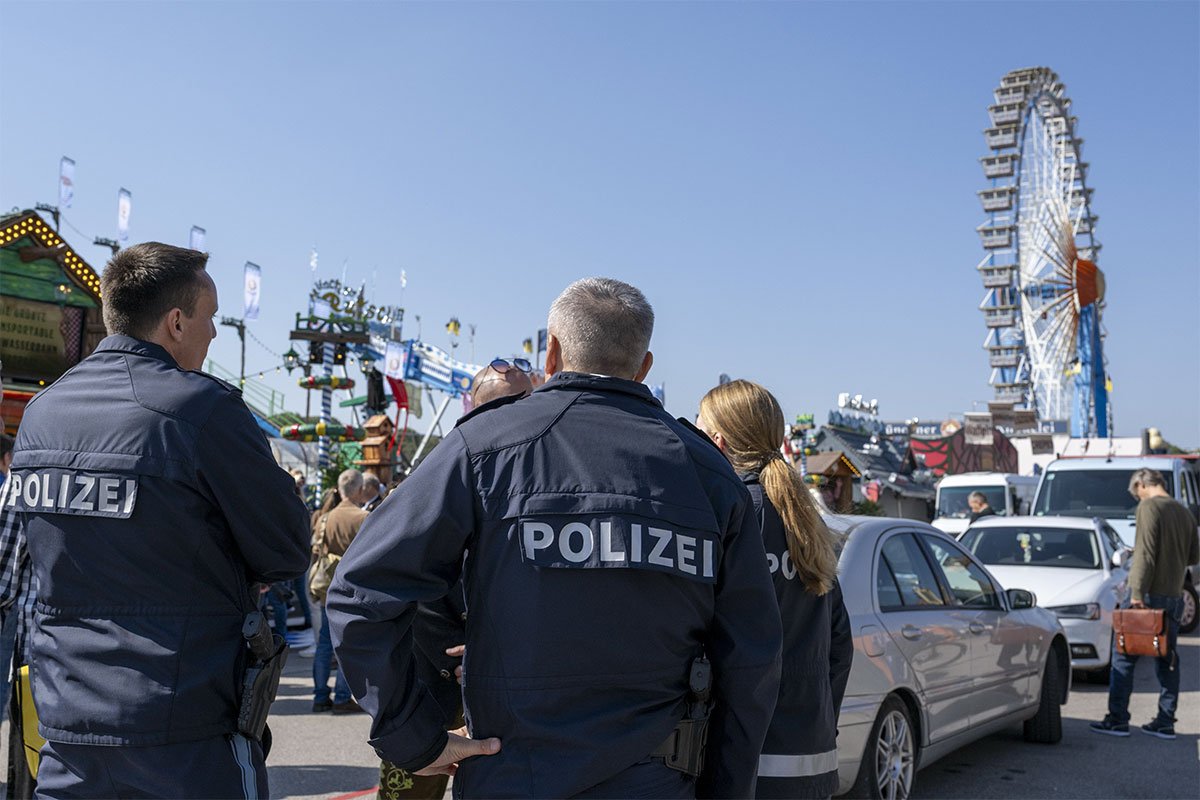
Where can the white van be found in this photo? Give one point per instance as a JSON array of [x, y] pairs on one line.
[[1096, 486], [1008, 494]]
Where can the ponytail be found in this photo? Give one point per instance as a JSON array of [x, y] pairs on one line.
[[809, 542]]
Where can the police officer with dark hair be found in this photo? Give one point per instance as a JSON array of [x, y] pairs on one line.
[[152, 505], [620, 611]]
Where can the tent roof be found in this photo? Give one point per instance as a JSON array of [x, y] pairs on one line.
[[37, 264]]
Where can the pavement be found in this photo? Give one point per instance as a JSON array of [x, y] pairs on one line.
[[326, 756]]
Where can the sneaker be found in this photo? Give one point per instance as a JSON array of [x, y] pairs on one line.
[[1163, 730], [1110, 728], [307, 652], [322, 705], [348, 707]]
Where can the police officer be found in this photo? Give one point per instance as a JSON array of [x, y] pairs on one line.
[[608, 546], [151, 505]]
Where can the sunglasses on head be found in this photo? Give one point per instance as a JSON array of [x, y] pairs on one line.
[[503, 365]]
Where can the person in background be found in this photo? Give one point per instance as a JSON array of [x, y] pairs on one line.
[[440, 627], [6, 456], [1164, 545], [799, 757], [978, 503], [336, 529], [18, 591], [372, 493]]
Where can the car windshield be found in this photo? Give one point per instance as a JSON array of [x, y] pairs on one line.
[[1034, 547], [1090, 493], [952, 500]]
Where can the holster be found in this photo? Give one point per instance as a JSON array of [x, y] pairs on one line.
[[683, 750], [259, 686]]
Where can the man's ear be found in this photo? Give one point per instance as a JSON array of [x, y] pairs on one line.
[[647, 363], [553, 355], [172, 324]]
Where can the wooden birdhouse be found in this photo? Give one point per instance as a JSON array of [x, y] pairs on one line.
[[375, 455]]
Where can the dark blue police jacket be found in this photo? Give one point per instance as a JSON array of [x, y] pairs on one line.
[[151, 504], [799, 757], [607, 545]]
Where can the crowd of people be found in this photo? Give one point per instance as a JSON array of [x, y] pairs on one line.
[[614, 601]]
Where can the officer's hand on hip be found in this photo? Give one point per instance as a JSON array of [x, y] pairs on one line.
[[458, 747], [457, 652]]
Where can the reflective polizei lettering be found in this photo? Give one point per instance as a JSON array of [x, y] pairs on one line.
[[63, 491], [614, 542]]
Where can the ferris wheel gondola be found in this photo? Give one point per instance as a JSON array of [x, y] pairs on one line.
[[1044, 294]]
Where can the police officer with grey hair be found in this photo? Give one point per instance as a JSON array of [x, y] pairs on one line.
[[622, 636], [152, 506]]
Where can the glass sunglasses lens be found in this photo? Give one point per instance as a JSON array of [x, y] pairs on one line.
[[503, 365]]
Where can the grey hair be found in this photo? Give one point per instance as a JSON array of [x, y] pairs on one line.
[[371, 482], [603, 327], [1146, 477], [978, 497], [350, 483]]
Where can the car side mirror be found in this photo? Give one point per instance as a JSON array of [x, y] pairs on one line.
[[1020, 598], [1120, 558]]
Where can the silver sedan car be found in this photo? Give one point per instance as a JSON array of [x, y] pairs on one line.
[[943, 655]]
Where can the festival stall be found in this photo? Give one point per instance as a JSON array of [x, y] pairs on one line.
[[49, 310]]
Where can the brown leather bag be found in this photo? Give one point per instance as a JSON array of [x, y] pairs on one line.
[[1141, 631]]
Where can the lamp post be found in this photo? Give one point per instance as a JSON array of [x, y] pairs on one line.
[[233, 322]]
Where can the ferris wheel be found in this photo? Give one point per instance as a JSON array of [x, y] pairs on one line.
[[1044, 294]]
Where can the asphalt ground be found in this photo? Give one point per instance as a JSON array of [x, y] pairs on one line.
[[326, 756]]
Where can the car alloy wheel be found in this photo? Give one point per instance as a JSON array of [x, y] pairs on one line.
[[894, 756], [1187, 620]]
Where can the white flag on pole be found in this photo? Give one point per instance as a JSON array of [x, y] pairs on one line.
[[312, 261], [66, 182], [393, 361], [124, 207], [196, 238], [403, 279], [253, 281]]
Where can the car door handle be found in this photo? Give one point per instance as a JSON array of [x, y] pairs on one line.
[[910, 632], [977, 627]]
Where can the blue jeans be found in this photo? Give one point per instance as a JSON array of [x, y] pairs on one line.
[[1120, 685], [301, 592], [321, 670], [275, 606]]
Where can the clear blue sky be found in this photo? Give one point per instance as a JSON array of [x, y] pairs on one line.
[[792, 185]]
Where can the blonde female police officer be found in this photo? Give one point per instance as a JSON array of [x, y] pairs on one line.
[[607, 546]]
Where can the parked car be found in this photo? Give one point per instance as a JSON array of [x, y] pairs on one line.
[[1098, 486], [1009, 495], [943, 655], [1076, 567]]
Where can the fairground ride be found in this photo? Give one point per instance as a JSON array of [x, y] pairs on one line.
[[1044, 294]]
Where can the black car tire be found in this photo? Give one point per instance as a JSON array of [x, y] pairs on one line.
[[1189, 620], [1045, 727], [892, 713]]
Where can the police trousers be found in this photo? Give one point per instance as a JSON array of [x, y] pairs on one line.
[[229, 766]]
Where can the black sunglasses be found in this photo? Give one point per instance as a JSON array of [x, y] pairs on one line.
[[503, 365]]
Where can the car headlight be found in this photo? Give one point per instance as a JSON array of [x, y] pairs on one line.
[[1083, 611]]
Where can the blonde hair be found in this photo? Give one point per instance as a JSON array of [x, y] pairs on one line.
[[750, 421]]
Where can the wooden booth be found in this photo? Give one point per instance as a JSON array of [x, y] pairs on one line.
[[49, 310]]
